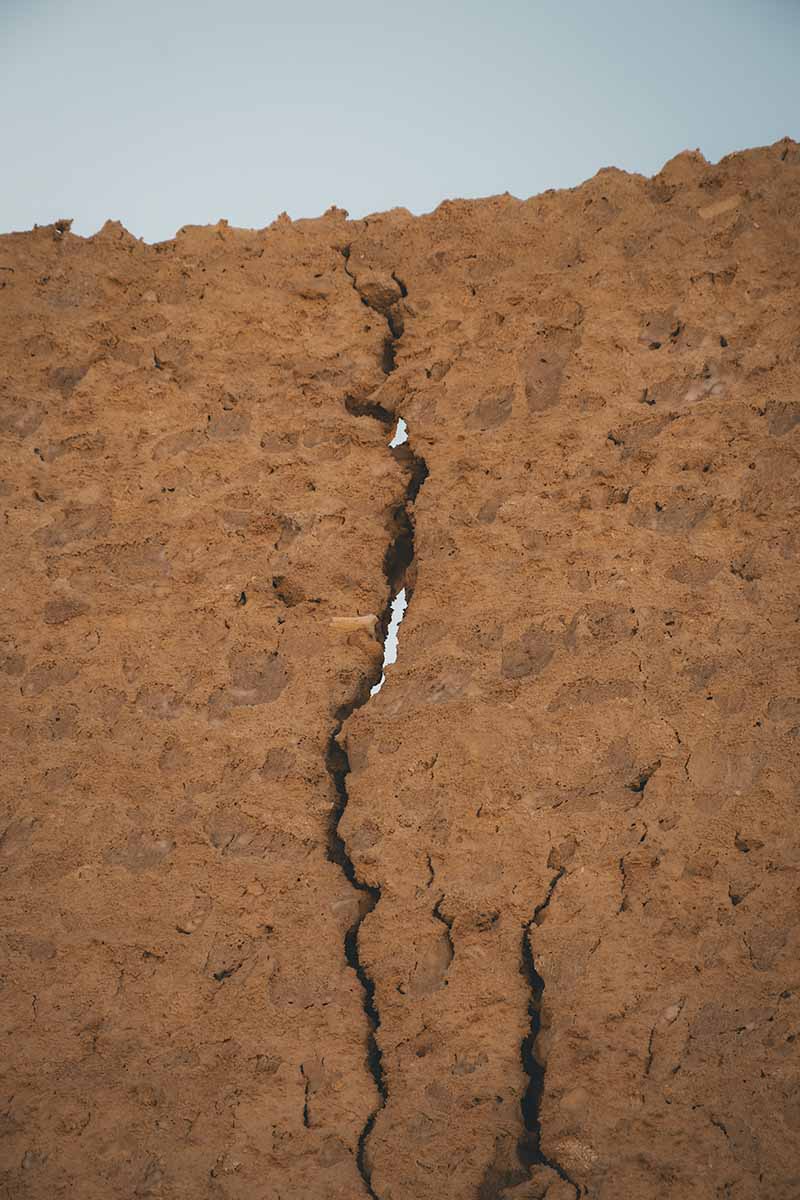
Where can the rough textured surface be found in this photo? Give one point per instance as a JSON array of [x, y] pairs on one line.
[[522, 925]]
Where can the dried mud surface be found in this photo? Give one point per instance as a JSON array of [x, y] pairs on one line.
[[523, 924]]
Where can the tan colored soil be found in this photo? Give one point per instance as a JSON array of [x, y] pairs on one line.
[[524, 924]]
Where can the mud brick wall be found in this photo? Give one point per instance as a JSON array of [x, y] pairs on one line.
[[522, 925]]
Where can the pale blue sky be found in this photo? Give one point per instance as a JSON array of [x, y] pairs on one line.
[[164, 113]]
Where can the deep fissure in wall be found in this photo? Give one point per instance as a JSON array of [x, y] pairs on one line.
[[530, 1144], [397, 560]]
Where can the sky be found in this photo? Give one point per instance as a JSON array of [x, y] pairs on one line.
[[160, 113], [399, 602]]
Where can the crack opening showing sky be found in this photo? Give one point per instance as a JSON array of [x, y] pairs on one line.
[[399, 602], [400, 434]]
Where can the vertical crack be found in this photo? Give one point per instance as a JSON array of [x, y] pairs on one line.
[[306, 1082], [530, 1145], [397, 559], [448, 926]]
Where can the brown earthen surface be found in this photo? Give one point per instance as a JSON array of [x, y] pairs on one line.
[[523, 924]]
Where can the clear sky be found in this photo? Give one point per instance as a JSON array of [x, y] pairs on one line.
[[160, 113]]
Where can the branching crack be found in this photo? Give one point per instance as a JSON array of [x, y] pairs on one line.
[[530, 1145], [397, 559]]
